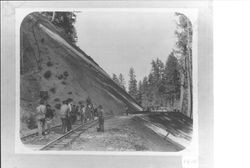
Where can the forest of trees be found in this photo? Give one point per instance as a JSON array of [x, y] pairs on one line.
[[161, 87], [119, 80], [168, 84]]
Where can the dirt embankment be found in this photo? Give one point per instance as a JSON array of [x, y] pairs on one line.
[[46, 65]]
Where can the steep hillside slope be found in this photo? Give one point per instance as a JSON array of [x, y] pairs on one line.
[[49, 63]]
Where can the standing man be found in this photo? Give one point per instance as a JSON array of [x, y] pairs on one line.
[[100, 119], [95, 111], [77, 113], [68, 121], [72, 114], [49, 117], [64, 112], [91, 108], [40, 118], [127, 111], [87, 112], [83, 113]]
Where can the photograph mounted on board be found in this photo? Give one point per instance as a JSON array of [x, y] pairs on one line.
[[107, 80]]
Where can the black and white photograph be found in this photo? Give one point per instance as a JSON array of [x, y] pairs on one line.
[[107, 80], [107, 84]]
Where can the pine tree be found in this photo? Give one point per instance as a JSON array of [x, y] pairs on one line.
[[157, 70], [171, 73], [139, 93], [151, 89], [144, 92], [184, 35], [122, 81], [132, 88], [115, 79], [171, 80]]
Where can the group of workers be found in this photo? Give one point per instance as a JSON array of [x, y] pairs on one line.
[[44, 117], [69, 114]]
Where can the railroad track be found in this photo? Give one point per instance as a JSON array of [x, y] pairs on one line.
[[24, 138], [66, 139]]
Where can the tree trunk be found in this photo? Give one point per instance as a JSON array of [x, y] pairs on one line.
[[181, 92], [53, 16], [190, 84], [189, 95], [189, 74]]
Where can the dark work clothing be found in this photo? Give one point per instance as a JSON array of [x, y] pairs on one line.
[[101, 124], [73, 114], [64, 124], [95, 112], [100, 113], [68, 123], [100, 120], [49, 114], [91, 113], [71, 117]]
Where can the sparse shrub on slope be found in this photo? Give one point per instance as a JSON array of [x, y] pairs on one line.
[[49, 64], [53, 90], [70, 100], [42, 40], [56, 99], [60, 77], [66, 74], [58, 106], [47, 74]]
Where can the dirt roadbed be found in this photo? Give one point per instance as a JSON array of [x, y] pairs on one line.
[[122, 133]]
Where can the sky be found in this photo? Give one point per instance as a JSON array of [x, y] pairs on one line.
[[118, 40]]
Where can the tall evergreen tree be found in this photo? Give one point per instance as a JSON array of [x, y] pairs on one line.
[[184, 35], [157, 70], [115, 79], [144, 90], [122, 81], [151, 89], [139, 93], [171, 77], [132, 87], [170, 86]]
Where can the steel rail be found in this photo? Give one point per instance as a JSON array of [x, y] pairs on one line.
[[83, 128], [36, 133]]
